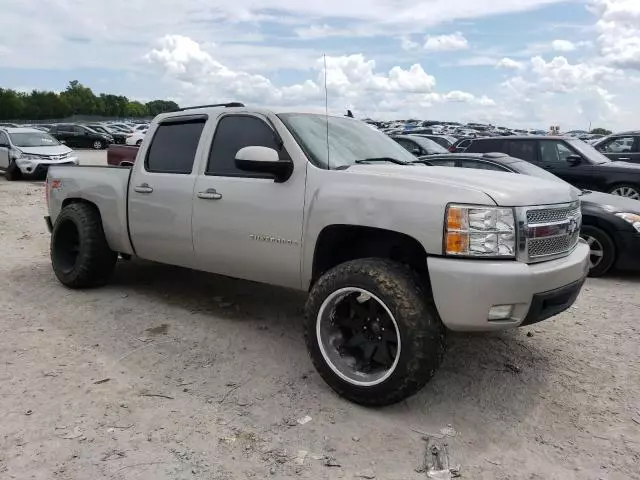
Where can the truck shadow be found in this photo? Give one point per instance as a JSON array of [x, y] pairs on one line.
[[500, 372]]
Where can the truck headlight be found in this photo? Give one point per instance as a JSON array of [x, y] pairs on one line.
[[25, 156], [478, 231], [632, 218]]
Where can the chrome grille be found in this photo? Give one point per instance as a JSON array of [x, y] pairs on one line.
[[548, 215], [548, 232]]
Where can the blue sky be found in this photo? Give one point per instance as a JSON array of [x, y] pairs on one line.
[[528, 63]]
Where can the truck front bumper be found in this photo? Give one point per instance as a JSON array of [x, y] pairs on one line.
[[465, 290]]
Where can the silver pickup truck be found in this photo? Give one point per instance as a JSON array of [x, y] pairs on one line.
[[392, 254]]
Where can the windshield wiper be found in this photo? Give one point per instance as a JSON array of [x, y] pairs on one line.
[[380, 159]]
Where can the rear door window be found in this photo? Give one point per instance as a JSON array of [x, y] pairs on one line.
[[173, 148], [523, 149], [486, 146]]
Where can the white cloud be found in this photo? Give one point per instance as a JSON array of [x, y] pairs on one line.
[[619, 32], [407, 44], [443, 43], [509, 64], [563, 46], [351, 79], [558, 75]]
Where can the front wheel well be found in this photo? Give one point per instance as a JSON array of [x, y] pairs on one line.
[[337, 244]]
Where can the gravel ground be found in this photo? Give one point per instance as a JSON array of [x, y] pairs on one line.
[[170, 373]]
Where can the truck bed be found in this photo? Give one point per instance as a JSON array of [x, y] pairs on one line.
[[106, 187], [121, 155]]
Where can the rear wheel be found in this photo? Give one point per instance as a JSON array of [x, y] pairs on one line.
[[603, 250], [80, 254], [372, 333], [629, 191]]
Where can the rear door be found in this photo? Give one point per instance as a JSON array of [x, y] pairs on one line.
[[161, 192], [4, 151], [623, 149], [245, 224]]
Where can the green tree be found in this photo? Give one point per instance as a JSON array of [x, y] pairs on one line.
[[157, 107], [11, 105], [601, 131], [136, 109], [80, 99]]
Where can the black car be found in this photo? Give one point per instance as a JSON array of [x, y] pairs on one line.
[[610, 223], [571, 159], [623, 147], [418, 145], [79, 136], [461, 145], [445, 141], [118, 136]]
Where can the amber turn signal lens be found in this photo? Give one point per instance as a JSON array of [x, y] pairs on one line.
[[455, 219], [457, 243]]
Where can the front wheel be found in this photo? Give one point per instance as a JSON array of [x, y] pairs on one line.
[[97, 145], [80, 254], [13, 172], [372, 333], [629, 191], [138, 143], [602, 253]]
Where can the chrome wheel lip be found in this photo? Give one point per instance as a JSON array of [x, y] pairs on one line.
[[628, 192], [334, 299], [595, 250]]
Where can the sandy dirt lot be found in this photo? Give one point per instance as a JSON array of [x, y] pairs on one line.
[[173, 374]]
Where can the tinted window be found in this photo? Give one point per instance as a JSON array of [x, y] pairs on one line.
[[79, 130], [442, 163], [173, 147], [618, 145], [523, 149], [408, 145], [233, 133], [554, 152], [463, 144], [486, 146], [480, 165]]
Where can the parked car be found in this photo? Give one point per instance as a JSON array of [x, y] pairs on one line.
[[418, 145], [8, 125], [136, 138], [460, 146], [118, 137], [571, 159], [121, 155], [381, 245], [445, 141], [610, 223], [29, 152], [623, 147], [80, 136]]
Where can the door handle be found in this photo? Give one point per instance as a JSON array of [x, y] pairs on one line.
[[624, 158], [143, 188], [210, 194]]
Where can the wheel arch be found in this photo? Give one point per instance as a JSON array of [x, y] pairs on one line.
[[339, 243]]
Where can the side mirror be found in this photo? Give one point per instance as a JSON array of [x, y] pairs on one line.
[[264, 160], [417, 152], [574, 159]]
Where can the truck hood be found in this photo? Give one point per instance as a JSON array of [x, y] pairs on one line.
[[54, 150], [506, 189]]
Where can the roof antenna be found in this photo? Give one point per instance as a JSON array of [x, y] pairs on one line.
[[326, 107]]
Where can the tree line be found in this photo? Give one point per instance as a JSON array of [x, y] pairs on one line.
[[75, 100]]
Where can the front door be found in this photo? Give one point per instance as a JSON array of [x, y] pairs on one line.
[[4, 151], [622, 149], [161, 194], [245, 224], [553, 157]]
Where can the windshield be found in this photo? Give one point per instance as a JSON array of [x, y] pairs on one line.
[[349, 140], [591, 154], [33, 139], [429, 145]]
